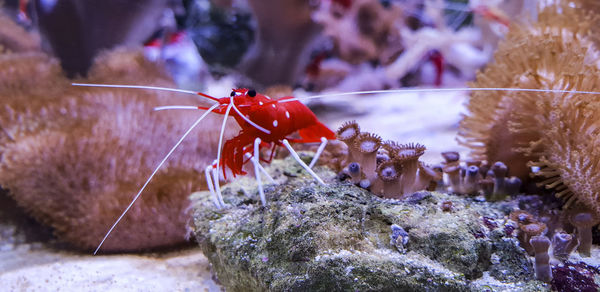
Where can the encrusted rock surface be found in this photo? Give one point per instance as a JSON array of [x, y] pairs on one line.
[[338, 236]]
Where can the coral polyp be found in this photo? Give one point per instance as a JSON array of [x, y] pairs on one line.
[[478, 177], [388, 169]]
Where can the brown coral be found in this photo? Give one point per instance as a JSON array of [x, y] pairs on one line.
[[77, 31], [477, 177], [389, 169], [584, 220], [529, 227], [363, 30], [594, 7], [556, 131], [14, 38], [74, 157], [284, 32], [568, 160]]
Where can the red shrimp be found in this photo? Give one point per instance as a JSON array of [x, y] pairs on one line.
[[280, 118], [264, 122]]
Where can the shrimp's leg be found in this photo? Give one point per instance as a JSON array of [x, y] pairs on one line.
[[215, 175], [267, 161], [215, 170], [256, 161], [258, 169], [211, 187], [295, 155], [261, 168], [319, 152]]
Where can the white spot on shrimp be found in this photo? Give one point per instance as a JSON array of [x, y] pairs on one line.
[[274, 106], [287, 114], [260, 103], [275, 123]]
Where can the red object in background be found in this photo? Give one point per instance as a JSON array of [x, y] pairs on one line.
[[314, 67], [438, 61], [491, 14], [23, 16], [344, 3], [172, 38]]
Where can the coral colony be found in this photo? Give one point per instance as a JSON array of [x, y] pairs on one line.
[[393, 170], [388, 169]]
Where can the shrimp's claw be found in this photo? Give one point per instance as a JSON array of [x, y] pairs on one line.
[[314, 133]]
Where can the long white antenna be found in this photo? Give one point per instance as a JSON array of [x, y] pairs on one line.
[[415, 90], [153, 173], [168, 107], [136, 87], [159, 108], [221, 136], [146, 87], [248, 120]]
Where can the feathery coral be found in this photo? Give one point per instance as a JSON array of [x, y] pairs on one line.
[[547, 54], [74, 157], [557, 132]]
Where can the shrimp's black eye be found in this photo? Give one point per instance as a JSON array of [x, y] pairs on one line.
[[252, 93], [232, 93]]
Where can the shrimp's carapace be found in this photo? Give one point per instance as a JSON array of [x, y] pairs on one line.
[[270, 120]]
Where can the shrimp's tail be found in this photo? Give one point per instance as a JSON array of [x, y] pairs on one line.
[[314, 133]]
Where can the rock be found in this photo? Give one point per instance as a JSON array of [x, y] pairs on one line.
[[337, 237]]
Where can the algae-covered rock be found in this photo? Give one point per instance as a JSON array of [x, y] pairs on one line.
[[340, 237]]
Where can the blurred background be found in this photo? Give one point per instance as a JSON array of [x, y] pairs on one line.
[[285, 47], [280, 48], [310, 44]]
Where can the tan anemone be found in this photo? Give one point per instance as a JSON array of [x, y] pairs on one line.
[[543, 55], [74, 157], [557, 132]]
